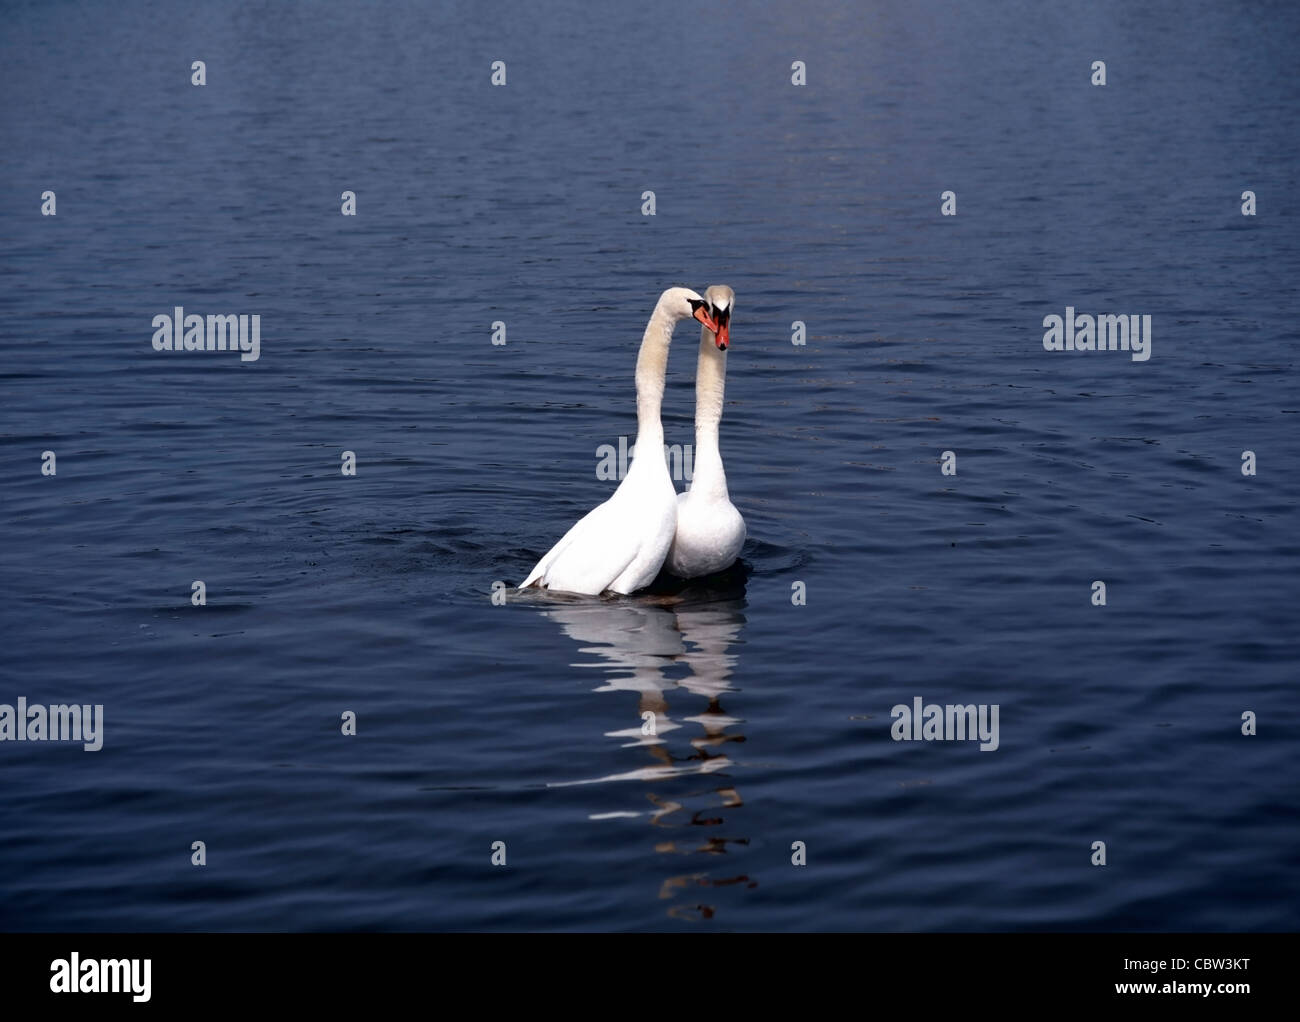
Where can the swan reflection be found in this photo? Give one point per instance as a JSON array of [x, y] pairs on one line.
[[681, 644]]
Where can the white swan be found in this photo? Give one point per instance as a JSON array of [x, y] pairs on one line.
[[710, 531], [621, 544]]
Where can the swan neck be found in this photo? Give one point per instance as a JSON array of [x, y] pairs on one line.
[[710, 384], [651, 368], [710, 387]]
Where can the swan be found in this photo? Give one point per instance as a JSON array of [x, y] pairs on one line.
[[710, 531], [621, 544]]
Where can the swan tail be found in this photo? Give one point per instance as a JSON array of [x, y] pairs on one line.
[[538, 574]]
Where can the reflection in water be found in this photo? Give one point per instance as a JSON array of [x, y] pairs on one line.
[[642, 646]]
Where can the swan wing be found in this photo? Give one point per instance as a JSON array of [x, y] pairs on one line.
[[590, 555], [539, 571]]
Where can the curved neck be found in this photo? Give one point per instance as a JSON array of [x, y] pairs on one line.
[[651, 368], [710, 386]]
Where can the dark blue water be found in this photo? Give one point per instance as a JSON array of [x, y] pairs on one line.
[[521, 723]]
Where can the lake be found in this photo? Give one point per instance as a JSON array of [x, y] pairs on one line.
[[879, 569]]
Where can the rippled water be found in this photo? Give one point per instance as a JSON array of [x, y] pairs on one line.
[[522, 723]]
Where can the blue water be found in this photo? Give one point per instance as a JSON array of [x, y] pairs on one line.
[[521, 723]]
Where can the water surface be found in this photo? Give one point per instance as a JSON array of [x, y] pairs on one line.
[[522, 723]]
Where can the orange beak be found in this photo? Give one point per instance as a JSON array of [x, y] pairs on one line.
[[702, 314], [723, 337]]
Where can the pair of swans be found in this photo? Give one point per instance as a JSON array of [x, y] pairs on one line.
[[620, 545]]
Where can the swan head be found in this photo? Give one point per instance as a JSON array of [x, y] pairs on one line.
[[682, 302], [720, 299]]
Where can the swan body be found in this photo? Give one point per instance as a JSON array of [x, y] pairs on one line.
[[710, 531], [620, 545]]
